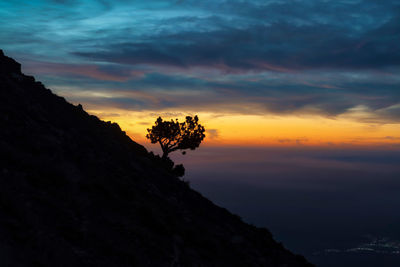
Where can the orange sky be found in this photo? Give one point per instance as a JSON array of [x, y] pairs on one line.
[[266, 130]]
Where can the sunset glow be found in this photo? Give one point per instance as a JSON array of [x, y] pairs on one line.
[[264, 130]]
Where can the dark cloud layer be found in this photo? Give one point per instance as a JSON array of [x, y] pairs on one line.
[[318, 57], [276, 47]]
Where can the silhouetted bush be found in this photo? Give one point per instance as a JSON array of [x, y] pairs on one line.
[[169, 165], [179, 170]]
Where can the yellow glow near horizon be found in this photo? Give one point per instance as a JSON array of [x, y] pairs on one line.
[[259, 130]]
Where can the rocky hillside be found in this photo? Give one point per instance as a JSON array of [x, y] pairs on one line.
[[77, 191]]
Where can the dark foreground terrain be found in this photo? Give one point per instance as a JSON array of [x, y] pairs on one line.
[[77, 191]]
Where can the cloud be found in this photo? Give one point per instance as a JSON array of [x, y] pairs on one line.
[[297, 141], [391, 138], [98, 72], [212, 134], [285, 94], [249, 57], [283, 45]]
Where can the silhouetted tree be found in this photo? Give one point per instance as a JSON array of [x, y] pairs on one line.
[[173, 135]]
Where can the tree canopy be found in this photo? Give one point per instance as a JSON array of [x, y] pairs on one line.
[[174, 135]]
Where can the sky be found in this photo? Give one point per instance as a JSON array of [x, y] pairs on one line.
[[258, 73]]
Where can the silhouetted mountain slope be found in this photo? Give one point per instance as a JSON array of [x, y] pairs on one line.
[[77, 191]]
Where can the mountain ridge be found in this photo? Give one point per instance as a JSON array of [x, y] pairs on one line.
[[77, 191]]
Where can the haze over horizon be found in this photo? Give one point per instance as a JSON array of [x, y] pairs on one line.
[[258, 73]]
